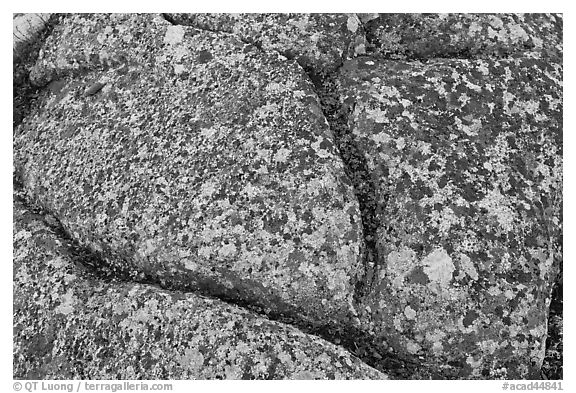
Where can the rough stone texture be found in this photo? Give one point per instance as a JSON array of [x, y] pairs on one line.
[[466, 163], [410, 212], [318, 42], [465, 35], [191, 157], [69, 324]]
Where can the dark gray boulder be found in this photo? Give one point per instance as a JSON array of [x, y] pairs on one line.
[[465, 159], [407, 205], [71, 324], [194, 159], [319, 42], [465, 35]]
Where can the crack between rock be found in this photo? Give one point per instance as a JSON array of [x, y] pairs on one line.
[[354, 161], [170, 19], [356, 168], [355, 164], [359, 343], [364, 186], [256, 44], [356, 342]]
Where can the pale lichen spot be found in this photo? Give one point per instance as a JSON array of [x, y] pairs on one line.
[[413, 347], [381, 138], [233, 372], [179, 68], [285, 357], [324, 358], [377, 115], [299, 94], [399, 264], [146, 248], [531, 107], [303, 375], [409, 312], [352, 23], [509, 294], [174, 35], [483, 67], [400, 143], [22, 235], [474, 28], [227, 250], [58, 262], [488, 346], [320, 152], [208, 189], [208, 133], [498, 206], [398, 324], [517, 33], [437, 347], [205, 252], [274, 87], [192, 358], [475, 364], [282, 155], [494, 291], [190, 265], [438, 267], [67, 303], [468, 267], [495, 22]]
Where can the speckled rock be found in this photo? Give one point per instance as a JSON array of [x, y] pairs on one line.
[[465, 35], [318, 42], [195, 159], [69, 324], [466, 163]]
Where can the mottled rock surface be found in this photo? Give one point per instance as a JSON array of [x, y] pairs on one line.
[[406, 205], [318, 42], [465, 35], [69, 324], [191, 157], [466, 163]]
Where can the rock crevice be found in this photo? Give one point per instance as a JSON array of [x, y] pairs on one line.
[[376, 187]]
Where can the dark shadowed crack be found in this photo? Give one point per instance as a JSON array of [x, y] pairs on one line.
[[356, 342], [552, 367], [315, 75], [373, 352], [357, 170], [353, 158], [83, 257], [171, 20], [360, 343]]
